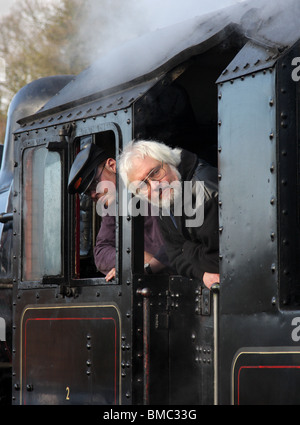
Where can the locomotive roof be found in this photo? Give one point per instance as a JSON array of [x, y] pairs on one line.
[[122, 75]]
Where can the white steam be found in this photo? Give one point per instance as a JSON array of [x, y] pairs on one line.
[[110, 23], [136, 17]]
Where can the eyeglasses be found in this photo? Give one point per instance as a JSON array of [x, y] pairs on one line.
[[96, 180], [156, 174]]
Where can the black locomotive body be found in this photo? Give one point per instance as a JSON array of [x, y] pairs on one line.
[[225, 87]]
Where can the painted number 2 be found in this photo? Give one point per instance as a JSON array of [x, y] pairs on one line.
[[68, 393]]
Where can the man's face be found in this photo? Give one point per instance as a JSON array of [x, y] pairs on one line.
[[153, 178], [106, 172]]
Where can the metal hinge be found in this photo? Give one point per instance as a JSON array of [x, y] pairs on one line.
[[172, 300], [202, 301]]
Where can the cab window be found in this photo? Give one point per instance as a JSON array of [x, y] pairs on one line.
[[41, 214], [87, 223]]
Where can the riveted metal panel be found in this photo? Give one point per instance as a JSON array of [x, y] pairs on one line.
[[90, 374], [248, 217], [248, 213], [252, 57], [288, 102]]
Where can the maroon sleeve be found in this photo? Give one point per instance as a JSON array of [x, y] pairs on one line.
[[105, 247]]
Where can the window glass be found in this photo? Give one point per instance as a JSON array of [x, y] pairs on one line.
[[41, 214]]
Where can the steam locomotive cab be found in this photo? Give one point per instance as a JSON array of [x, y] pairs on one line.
[[118, 342]]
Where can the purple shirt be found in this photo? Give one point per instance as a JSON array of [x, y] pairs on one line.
[[105, 247]]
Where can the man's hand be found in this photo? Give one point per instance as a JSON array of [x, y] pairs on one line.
[[110, 275], [147, 257], [210, 278]]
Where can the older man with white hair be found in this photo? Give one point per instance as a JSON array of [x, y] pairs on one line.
[[185, 189]]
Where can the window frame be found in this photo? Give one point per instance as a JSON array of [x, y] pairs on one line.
[[44, 280], [81, 132]]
